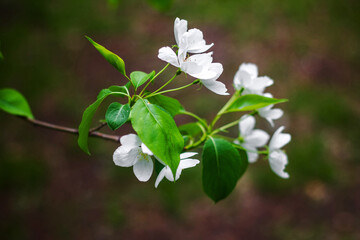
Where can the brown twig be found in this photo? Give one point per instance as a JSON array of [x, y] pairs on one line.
[[98, 127], [92, 133]]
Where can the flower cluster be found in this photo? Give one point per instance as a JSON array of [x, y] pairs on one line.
[[159, 143], [199, 65], [246, 81], [134, 153]]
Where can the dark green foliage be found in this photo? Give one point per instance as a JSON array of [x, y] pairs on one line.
[[223, 165]]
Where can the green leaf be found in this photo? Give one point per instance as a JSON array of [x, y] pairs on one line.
[[111, 57], [190, 132], [171, 105], [113, 90], [88, 116], [13, 102], [222, 167], [158, 131], [128, 85], [117, 114], [191, 129], [103, 93], [139, 78], [122, 89], [252, 102]]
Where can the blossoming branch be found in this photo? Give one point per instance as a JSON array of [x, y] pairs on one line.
[[158, 141]]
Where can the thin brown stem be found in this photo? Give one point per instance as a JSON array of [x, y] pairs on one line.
[[92, 133], [98, 127]]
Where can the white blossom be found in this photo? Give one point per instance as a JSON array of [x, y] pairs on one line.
[[134, 153], [185, 162], [269, 113], [278, 158], [199, 66], [251, 138], [191, 41], [180, 27], [247, 78]]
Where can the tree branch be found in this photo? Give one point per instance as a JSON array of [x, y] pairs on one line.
[[98, 127], [92, 132]]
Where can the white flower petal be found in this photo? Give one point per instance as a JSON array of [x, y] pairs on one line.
[[259, 84], [203, 68], [143, 168], [242, 79], [205, 74], [201, 49], [218, 68], [131, 140], [160, 177], [264, 111], [215, 86], [263, 82], [270, 121], [269, 95], [187, 155], [251, 152], [168, 174], [194, 41], [275, 113], [146, 150], [252, 156], [180, 27], [125, 157], [278, 160], [250, 68], [182, 55], [191, 68], [168, 55], [270, 114], [257, 138], [246, 125], [204, 59], [187, 163], [267, 112], [279, 139]]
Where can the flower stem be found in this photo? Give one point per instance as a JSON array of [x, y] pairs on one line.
[[168, 82], [229, 125], [162, 70], [130, 81], [202, 139], [224, 108], [247, 150], [202, 121], [171, 90]]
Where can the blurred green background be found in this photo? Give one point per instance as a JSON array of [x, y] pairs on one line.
[[50, 189]]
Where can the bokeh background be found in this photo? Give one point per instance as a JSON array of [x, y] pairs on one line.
[[50, 189]]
